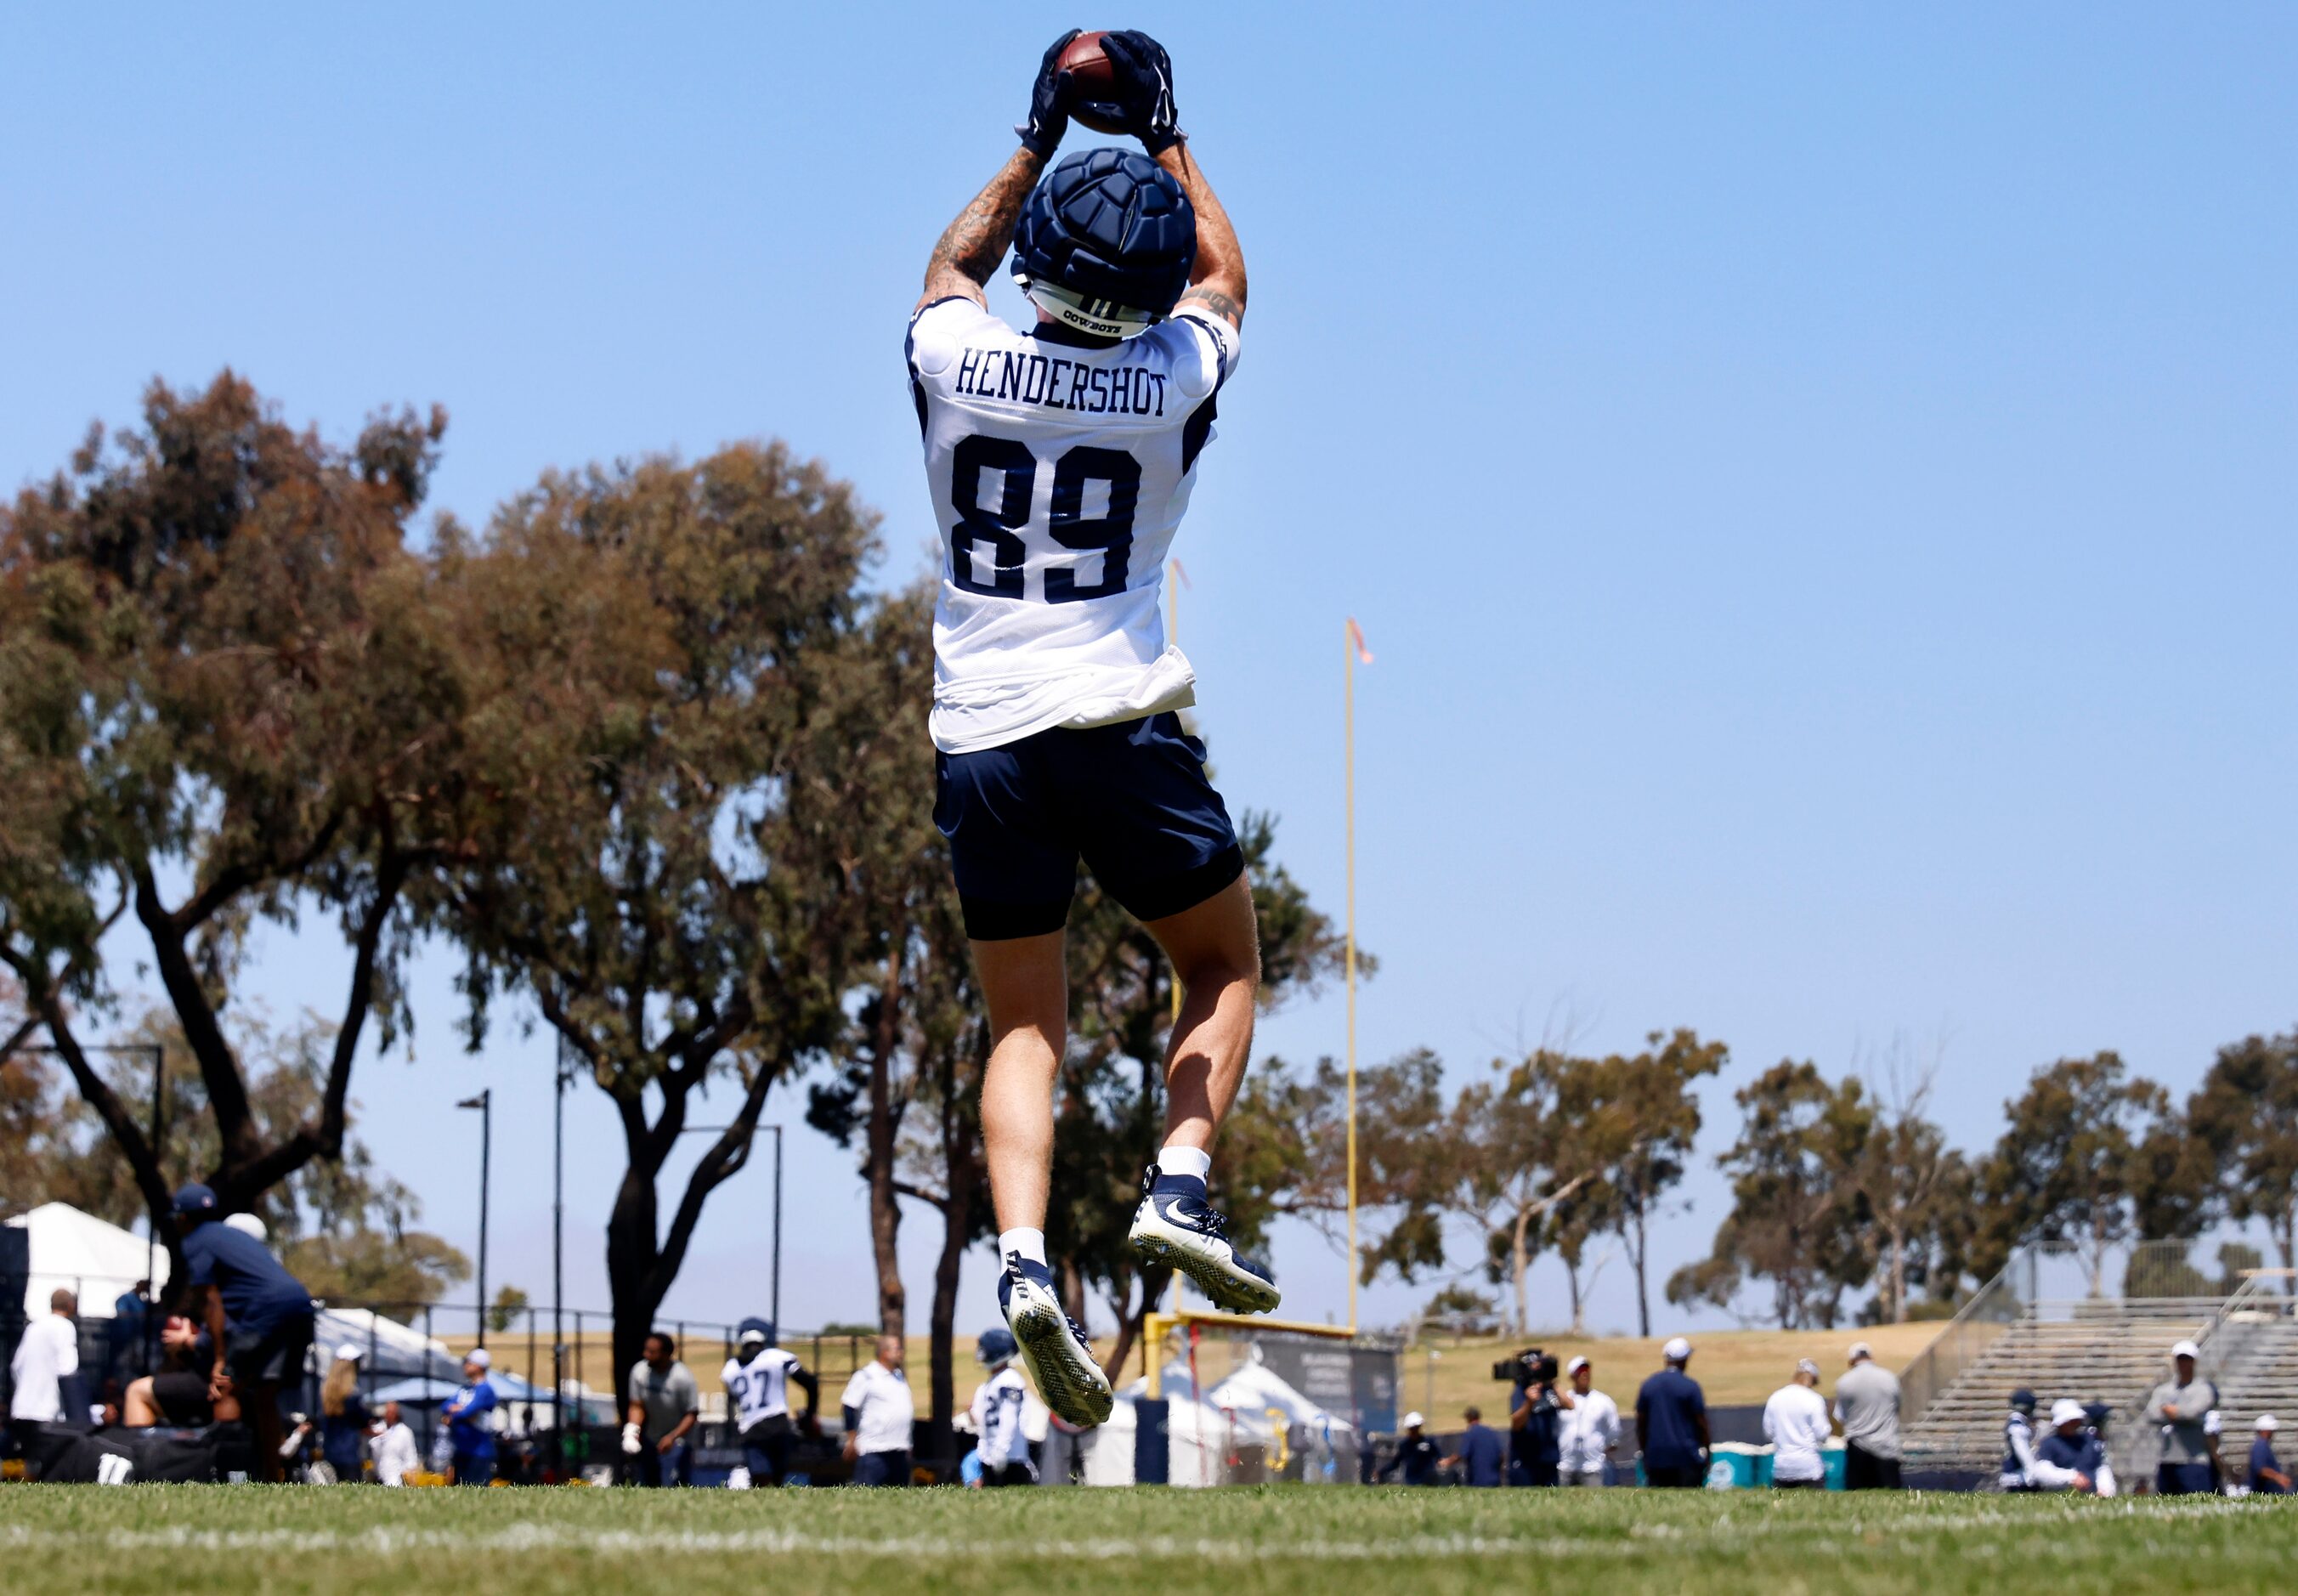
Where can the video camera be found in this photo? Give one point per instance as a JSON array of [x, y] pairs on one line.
[[1530, 1367]]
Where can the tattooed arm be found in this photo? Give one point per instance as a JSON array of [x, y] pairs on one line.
[[1217, 280], [971, 246]]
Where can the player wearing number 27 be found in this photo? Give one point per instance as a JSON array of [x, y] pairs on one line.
[[1061, 458]]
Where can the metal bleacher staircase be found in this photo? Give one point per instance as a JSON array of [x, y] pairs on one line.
[[2062, 1325]]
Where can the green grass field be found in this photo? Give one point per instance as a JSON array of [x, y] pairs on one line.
[[1287, 1539]]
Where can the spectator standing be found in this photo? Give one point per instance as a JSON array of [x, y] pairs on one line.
[[396, 1454], [46, 1361], [2071, 1457], [2268, 1477], [1416, 1454], [665, 1406], [125, 1338], [2182, 1406], [1795, 1422], [1672, 1423], [1867, 1406], [258, 1318], [470, 1416], [881, 1414], [343, 1419], [1536, 1424], [1590, 1430], [1482, 1457]]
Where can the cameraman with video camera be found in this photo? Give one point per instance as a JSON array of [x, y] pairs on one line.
[[1535, 1445]]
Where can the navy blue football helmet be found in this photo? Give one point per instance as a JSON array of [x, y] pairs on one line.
[[758, 1330], [1105, 243], [996, 1346]]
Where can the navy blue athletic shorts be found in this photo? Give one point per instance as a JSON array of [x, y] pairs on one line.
[[1131, 799]]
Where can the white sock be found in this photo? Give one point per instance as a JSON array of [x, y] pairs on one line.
[[1184, 1161], [1029, 1243]]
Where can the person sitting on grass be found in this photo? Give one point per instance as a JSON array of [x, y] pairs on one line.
[[2268, 1477], [178, 1394], [2070, 1458]]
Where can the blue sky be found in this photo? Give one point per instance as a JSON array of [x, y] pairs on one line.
[[1818, 479]]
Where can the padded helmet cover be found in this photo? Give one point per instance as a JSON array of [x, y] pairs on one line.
[[1111, 234]]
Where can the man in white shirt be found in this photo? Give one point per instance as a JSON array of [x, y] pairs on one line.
[[46, 1358], [1589, 1428], [879, 1415], [1795, 1424], [396, 1455]]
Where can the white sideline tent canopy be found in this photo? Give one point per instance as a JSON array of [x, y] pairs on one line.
[[392, 1350], [93, 1257]]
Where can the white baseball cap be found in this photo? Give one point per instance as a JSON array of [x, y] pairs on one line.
[[348, 1353], [2065, 1411], [478, 1355], [1860, 1349], [2185, 1349], [1676, 1350], [1413, 1421], [2266, 1422], [1576, 1365], [1805, 1366]]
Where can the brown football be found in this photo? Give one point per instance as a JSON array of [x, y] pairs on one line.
[[1092, 83]]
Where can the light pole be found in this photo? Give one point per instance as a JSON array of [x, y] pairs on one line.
[[158, 1128], [485, 1103], [559, 1256]]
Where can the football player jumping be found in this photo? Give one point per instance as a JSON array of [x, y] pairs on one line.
[[1061, 458]]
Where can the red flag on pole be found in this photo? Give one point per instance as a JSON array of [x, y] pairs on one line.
[[1356, 636]]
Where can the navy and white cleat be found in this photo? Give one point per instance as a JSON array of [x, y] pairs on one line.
[[1052, 1344], [1175, 1225]]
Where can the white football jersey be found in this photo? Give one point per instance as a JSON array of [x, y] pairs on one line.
[[1060, 473], [997, 1419], [760, 1387]]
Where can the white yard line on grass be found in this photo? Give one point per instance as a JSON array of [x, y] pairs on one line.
[[1750, 1524]]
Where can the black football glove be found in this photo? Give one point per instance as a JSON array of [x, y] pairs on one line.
[[1142, 91], [1049, 103]]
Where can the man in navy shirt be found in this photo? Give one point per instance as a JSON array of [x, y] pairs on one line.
[[258, 1318], [1672, 1423], [1481, 1459], [1416, 1454], [2268, 1477]]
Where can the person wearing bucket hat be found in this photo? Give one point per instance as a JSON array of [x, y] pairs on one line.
[[2181, 1406], [2070, 1457], [259, 1318]]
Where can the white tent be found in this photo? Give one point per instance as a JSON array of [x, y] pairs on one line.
[[92, 1257]]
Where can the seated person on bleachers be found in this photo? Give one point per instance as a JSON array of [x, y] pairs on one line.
[[177, 1395]]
